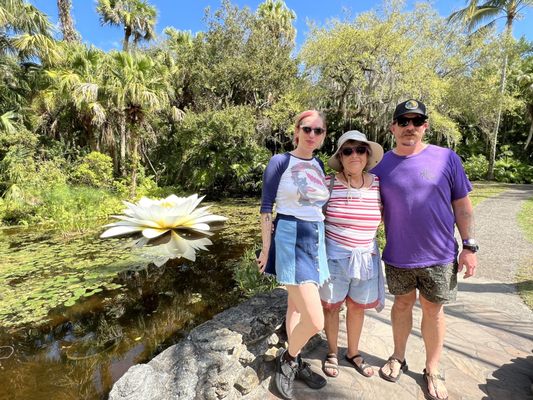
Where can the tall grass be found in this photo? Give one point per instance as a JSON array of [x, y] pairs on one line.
[[525, 271]]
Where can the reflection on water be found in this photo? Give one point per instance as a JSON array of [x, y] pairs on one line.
[[86, 347]]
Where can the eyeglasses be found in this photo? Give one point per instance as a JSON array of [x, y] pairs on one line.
[[347, 151], [417, 121], [317, 131]]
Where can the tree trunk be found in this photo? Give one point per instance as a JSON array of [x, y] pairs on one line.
[[529, 136], [528, 140], [127, 34], [122, 127], [66, 22], [494, 139], [135, 162]]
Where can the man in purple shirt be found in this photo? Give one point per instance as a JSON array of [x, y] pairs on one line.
[[424, 191]]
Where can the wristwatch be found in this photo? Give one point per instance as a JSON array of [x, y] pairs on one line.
[[470, 244]]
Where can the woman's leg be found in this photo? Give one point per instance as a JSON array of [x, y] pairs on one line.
[[331, 327], [292, 318], [306, 300], [355, 317]]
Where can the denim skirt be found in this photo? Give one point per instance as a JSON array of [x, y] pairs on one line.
[[297, 251]]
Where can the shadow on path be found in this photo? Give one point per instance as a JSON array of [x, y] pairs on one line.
[[511, 381]]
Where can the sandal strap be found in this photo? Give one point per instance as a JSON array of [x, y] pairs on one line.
[[358, 355], [392, 359], [435, 376], [332, 355]]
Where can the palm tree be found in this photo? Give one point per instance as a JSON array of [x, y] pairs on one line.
[[525, 81], [485, 15], [67, 23], [74, 97], [137, 87], [137, 17], [279, 19], [25, 31]]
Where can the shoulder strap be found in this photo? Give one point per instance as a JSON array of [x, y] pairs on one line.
[[330, 188], [331, 183]]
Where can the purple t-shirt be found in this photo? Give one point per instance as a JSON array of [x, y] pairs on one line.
[[416, 192]]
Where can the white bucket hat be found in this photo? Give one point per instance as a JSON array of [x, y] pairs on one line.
[[373, 159]]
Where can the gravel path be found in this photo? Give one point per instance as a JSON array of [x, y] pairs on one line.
[[503, 247], [488, 347]]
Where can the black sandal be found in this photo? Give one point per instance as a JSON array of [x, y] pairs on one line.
[[359, 368], [433, 377], [390, 362], [331, 363]]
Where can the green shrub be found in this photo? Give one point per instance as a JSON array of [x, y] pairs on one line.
[[216, 152], [476, 167], [76, 207], [95, 169], [249, 281], [50, 173], [146, 187], [510, 170]]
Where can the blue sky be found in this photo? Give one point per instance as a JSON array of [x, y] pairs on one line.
[[188, 15]]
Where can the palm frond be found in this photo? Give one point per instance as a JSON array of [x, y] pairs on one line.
[[7, 122]]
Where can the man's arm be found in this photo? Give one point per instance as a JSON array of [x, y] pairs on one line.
[[464, 218]]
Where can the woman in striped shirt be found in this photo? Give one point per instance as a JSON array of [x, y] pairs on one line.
[[353, 215]]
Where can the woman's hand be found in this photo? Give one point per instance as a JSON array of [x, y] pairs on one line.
[[267, 228], [262, 259]]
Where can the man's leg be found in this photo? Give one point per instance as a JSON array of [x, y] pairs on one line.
[[402, 323], [433, 330]]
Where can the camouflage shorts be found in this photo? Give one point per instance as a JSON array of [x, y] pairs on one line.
[[438, 283]]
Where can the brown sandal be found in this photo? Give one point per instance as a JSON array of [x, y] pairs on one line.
[[390, 362], [331, 363], [360, 368], [434, 378]]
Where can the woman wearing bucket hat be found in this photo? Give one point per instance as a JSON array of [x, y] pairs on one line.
[[353, 215], [296, 252]]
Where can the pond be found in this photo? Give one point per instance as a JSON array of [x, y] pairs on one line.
[[76, 313]]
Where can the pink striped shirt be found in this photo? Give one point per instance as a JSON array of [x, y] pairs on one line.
[[353, 215]]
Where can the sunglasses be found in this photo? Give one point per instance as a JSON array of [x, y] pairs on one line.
[[417, 121], [347, 151], [317, 131]]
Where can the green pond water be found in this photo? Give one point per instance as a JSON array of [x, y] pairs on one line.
[[76, 312]]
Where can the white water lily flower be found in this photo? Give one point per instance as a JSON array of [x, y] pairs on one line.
[[173, 215]]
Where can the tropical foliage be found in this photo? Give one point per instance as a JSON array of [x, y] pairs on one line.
[[204, 112]]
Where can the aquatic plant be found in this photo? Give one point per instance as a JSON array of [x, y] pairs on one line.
[[44, 273], [174, 225]]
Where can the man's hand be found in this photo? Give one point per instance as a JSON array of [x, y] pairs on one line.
[[467, 259]]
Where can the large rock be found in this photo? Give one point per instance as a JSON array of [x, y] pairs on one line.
[[228, 357]]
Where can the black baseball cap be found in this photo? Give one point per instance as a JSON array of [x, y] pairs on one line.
[[410, 106]]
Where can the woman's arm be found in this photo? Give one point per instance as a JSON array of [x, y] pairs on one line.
[[266, 234], [271, 178]]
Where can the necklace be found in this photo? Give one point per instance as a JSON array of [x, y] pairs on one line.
[[349, 182], [358, 193]]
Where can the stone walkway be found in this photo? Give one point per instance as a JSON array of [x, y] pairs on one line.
[[488, 351]]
